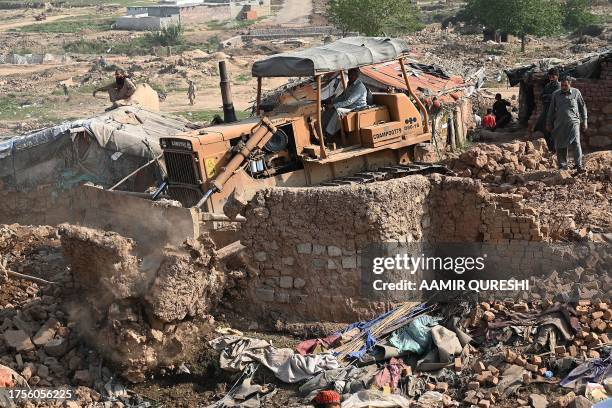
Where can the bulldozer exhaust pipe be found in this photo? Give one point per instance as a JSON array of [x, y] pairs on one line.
[[229, 113]]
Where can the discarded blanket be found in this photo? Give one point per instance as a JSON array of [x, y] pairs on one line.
[[375, 399], [591, 371], [416, 337], [237, 352]]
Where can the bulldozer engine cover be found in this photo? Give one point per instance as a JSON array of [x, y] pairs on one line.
[[380, 135]]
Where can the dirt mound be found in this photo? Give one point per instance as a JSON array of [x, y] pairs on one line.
[[142, 312]]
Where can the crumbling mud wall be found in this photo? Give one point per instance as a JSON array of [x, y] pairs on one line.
[[96, 208], [306, 244], [141, 311]]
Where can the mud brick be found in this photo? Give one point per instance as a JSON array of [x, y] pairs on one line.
[[473, 385], [431, 386], [470, 398], [493, 370], [597, 315], [521, 361], [591, 338], [526, 378], [582, 310], [582, 334], [602, 306], [607, 314], [564, 401], [498, 306], [458, 364], [537, 360], [573, 351], [531, 367], [484, 404], [488, 316], [478, 367], [521, 307], [542, 370], [584, 302], [592, 354], [510, 356], [494, 381], [485, 306], [604, 338], [560, 350], [441, 387], [484, 377], [521, 402]]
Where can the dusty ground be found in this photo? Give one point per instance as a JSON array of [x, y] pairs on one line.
[[30, 95]]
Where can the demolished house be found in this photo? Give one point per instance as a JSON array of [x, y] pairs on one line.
[[42, 174], [593, 76]]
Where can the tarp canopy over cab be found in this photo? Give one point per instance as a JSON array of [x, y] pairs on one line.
[[347, 53]]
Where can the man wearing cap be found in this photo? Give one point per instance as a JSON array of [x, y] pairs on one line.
[[327, 399], [551, 86], [567, 114]]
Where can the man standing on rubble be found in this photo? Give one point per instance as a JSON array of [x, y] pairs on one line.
[[550, 88], [500, 110], [122, 88], [355, 96], [191, 92], [567, 114]]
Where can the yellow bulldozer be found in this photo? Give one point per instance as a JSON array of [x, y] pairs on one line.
[[285, 145]]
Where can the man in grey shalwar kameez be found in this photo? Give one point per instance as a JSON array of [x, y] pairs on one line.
[[566, 113], [355, 96]]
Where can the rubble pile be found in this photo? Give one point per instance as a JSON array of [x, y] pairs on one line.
[[142, 312], [38, 340], [504, 162]]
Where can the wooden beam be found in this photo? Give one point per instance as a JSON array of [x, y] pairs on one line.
[[259, 80], [320, 120], [418, 101]]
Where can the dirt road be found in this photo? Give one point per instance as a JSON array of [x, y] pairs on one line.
[[21, 23], [294, 12]]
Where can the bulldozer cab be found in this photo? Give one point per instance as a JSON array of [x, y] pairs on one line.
[[387, 118], [284, 144]]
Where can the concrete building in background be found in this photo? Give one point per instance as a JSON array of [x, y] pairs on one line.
[[189, 12]]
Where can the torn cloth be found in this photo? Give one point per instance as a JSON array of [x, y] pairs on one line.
[[314, 346], [594, 371], [416, 337], [375, 399], [237, 352]]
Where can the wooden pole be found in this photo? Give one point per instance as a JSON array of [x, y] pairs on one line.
[[320, 119], [418, 101], [344, 80], [258, 95]]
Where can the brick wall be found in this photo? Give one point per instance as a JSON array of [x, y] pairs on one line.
[[307, 244], [597, 95]]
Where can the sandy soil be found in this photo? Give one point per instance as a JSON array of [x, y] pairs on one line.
[[294, 12]]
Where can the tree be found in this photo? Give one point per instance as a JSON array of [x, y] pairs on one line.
[[517, 17], [577, 15], [374, 17]]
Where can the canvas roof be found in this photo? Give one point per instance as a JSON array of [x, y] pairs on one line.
[[346, 53]]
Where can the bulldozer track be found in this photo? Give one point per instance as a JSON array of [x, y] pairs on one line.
[[388, 173]]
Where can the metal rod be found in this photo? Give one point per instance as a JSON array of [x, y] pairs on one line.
[[259, 80], [418, 101], [159, 190], [132, 174], [205, 198], [229, 113], [320, 119]]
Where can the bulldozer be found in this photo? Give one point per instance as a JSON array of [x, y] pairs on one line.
[[285, 145]]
